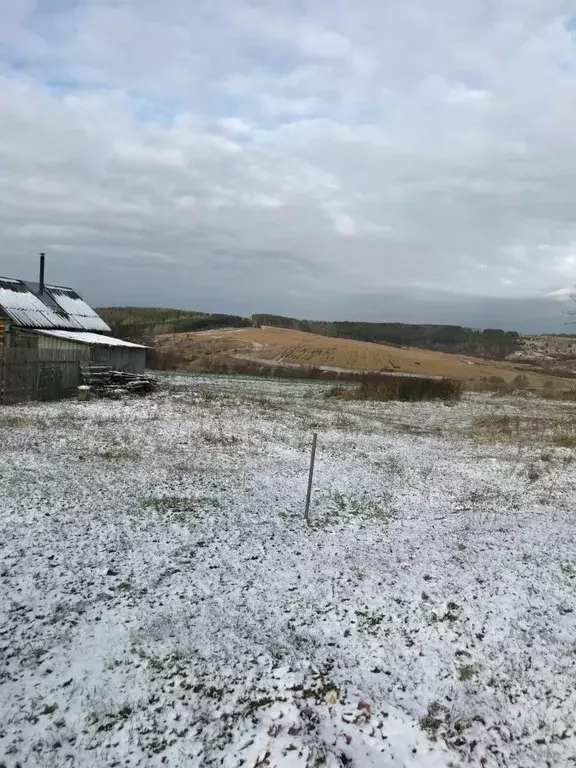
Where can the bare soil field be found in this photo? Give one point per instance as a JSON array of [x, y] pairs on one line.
[[288, 347]]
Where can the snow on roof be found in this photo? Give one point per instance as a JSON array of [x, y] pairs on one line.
[[84, 337], [26, 309], [74, 306], [57, 307]]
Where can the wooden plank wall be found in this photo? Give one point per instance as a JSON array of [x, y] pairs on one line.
[[33, 374]]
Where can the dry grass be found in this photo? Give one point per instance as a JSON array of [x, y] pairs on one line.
[[551, 428], [217, 350], [546, 347]]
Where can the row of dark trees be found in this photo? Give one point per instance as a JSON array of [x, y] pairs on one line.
[[490, 342], [139, 324]]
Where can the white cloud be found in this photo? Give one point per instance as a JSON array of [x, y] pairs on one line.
[[234, 125], [340, 148]]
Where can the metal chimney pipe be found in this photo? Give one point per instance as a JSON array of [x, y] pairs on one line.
[[42, 268]]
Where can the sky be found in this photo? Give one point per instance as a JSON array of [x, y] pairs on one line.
[[410, 160]]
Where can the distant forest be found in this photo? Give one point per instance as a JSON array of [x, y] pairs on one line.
[[492, 343], [142, 323]]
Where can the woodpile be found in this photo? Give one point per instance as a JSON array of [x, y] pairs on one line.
[[105, 382]]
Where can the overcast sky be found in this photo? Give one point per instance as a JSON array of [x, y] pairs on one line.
[[370, 159]]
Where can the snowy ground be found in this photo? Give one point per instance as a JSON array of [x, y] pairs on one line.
[[163, 601]]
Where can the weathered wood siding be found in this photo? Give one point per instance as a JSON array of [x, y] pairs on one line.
[[33, 374], [129, 359], [47, 343]]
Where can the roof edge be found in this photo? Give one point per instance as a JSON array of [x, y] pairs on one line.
[[98, 338]]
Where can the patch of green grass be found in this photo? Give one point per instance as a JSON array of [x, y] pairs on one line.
[[413, 429], [219, 439], [170, 503], [63, 611], [555, 428], [498, 427], [466, 672], [256, 704], [370, 622], [453, 612], [181, 509], [176, 508], [434, 719], [214, 693], [344, 422], [65, 420], [15, 422], [107, 721], [337, 506], [565, 441], [265, 403], [568, 570]]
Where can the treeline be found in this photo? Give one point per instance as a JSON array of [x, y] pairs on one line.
[[142, 323], [490, 342], [308, 326]]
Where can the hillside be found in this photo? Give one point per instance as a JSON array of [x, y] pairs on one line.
[[228, 349], [491, 343], [552, 353]]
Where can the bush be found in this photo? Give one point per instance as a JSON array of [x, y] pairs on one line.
[[405, 388], [336, 392], [521, 382], [496, 384], [165, 360]]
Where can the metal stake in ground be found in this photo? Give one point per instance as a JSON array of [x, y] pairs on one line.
[[309, 494]]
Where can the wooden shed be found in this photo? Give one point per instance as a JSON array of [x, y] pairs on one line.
[[118, 354], [51, 317], [46, 332]]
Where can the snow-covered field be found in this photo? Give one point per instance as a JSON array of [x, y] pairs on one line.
[[163, 601]]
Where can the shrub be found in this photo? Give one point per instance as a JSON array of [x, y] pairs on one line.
[[521, 381], [336, 392], [566, 395], [405, 388], [496, 383], [165, 359]]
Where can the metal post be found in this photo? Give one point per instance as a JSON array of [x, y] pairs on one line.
[[309, 494], [42, 268]]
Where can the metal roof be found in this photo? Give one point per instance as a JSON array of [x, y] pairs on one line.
[[84, 337], [74, 306], [56, 307]]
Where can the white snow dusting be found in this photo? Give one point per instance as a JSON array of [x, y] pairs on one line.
[[164, 603]]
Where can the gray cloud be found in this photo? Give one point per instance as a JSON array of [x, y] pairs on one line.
[[379, 161]]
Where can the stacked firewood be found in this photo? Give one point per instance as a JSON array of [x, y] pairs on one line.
[[106, 382]]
